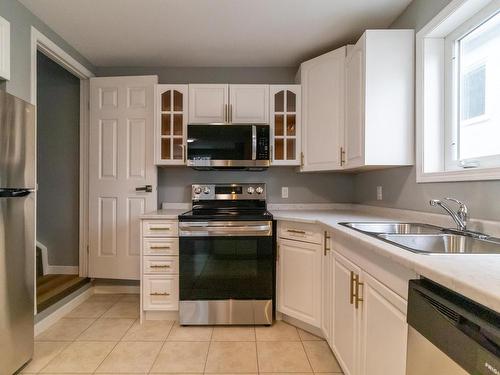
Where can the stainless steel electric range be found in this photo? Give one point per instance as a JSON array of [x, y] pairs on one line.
[[227, 256]]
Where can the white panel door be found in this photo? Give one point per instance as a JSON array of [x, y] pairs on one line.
[[345, 316], [300, 297], [384, 330], [208, 103], [249, 104], [355, 106], [121, 159], [323, 94]]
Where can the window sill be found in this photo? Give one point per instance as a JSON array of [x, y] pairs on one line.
[[477, 174]]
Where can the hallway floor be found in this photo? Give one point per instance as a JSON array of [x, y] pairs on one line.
[[103, 336]]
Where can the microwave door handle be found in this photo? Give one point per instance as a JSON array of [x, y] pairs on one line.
[[254, 142]]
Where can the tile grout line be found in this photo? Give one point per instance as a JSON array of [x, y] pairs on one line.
[[208, 350], [256, 348], [305, 351]]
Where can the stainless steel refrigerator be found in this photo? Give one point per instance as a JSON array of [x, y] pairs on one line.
[[17, 231]]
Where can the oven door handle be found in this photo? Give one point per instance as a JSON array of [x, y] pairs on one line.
[[201, 230]]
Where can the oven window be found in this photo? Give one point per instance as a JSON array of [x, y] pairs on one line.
[[219, 142], [215, 268]]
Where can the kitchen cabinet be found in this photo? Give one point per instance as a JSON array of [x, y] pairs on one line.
[[379, 103], [322, 80], [285, 121], [208, 103], [299, 253], [346, 315], [222, 103], [327, 289], [369, 330], [249, 104], [171, 122], [4, 49], [159, 268]]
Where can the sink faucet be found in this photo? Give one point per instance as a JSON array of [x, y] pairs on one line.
[[460, 217]]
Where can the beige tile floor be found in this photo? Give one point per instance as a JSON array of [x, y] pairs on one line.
[[103, 336]]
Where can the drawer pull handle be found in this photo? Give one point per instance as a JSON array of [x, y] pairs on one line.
[[159, 247], [159, 228], [296, 231], [160, 266], [159, 294]]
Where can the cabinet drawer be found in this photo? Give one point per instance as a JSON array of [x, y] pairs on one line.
[[160, 246], [159, 228], [161, 264], [160, 292], [300, 231]]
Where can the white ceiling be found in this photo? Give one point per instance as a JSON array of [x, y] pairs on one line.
[[210, 32]]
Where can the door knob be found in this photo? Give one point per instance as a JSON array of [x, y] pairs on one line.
[[145, 188]]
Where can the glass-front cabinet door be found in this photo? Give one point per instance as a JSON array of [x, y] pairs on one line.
[[171, 124], [285, 124]]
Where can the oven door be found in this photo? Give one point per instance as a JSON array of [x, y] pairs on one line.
[[227, 272], [228, 146]]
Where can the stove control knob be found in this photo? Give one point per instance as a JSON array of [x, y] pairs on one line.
[[259, 190], [197, 190], [250, 190], [206, 190]]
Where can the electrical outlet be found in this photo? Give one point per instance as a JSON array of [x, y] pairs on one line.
[[379, 193], [284, 192]]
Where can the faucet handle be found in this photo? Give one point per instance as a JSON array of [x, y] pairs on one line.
[[463, 211]]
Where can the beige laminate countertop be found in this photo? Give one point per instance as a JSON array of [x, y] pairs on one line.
[[167, 214], [476, 276]]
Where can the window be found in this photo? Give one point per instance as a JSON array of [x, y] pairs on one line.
[[458, 106]]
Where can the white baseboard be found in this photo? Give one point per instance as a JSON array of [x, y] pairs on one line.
[[62, 270], [49, 320]]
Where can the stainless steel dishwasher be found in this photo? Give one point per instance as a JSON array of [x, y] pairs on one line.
[[450, 334]]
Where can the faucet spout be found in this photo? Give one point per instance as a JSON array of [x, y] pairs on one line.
[[460, 217]]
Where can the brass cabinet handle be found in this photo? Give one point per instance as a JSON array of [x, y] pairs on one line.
[[226, 113], [159, 266], [159, 247], [184, 153], [302, 160], [159, 228], [325, 247], [351, 291], [358, 299], [230, 115], [159, 294], [296, 231], [342, 156]]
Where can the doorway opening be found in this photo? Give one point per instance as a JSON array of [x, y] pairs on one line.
[[58, 180]]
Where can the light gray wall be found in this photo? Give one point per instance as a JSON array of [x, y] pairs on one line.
[[58, 116], [271, 75], [399, 184], [174, 184], [21, 20]]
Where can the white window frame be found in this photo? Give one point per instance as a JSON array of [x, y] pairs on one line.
[[436, 110]]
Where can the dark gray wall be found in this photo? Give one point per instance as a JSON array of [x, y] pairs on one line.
[[21, 20], [58, 116], [174, 184], [399, 185], [271, 75]]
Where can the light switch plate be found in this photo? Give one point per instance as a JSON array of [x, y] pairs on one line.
[[284, 192]]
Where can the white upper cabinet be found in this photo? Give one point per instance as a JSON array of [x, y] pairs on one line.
[[322, 80], [171, 120], [249, 104], [379, 107], [226, 104], [4, 49], [285, 122], [208, 103]]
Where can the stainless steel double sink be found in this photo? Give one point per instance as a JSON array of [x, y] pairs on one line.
[[428, 239]]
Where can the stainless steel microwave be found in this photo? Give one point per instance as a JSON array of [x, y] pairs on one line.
[[233, 146]]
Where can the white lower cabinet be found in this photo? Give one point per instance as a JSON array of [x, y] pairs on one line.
[[345, 315], [384, 330], [327, 289], [160, 292], [370, 329], [299, 269]]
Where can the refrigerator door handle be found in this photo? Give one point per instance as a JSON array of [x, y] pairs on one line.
[[14, 193]]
